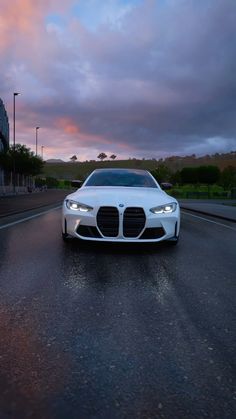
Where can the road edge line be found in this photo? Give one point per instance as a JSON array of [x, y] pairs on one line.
[[28, 218], [221, 217]]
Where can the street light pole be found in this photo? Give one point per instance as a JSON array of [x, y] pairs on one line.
[[42, 147], [14, 140], [36, 140]]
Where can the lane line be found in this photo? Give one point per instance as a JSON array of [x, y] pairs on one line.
[[28, 218], [209, 221]]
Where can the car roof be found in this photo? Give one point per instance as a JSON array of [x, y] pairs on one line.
[[108, 169]]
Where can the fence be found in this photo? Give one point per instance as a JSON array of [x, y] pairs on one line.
[[22, 183]]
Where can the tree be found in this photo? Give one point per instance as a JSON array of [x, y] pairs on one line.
[[228, 177], [113, 157], [161, 173], [23, 159], [102, 156], [201, 174], [189, 175], [208, 174], [51, 182], [175, 178], [73, 158]]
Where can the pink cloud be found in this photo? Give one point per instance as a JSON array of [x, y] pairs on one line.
[[67, 125], [160, 80]]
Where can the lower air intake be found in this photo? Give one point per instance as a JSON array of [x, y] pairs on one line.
[[88, 231], [153, 233]]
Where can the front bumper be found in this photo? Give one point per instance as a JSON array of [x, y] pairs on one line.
[[157, 227]]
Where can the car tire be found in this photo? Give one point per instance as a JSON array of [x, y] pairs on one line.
[[65, 237]]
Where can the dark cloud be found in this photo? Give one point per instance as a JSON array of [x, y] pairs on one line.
[[161, 82]]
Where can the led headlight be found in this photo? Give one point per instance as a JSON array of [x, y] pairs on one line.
[[77, 206], [164, 209]]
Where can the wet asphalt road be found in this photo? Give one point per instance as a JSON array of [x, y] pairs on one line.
[[101, 331]]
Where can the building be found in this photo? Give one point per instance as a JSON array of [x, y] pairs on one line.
[[4, 127], [11, 182], [4, 142]]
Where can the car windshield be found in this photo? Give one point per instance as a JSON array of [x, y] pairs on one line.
[[127, 178]]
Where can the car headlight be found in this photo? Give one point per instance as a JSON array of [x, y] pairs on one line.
[[164, 209], [77, 206]]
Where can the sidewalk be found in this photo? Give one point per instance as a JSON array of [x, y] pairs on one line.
[[14, 204], [10, 205], [223, 209]]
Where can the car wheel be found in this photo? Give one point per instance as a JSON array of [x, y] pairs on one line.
[[65, 237]]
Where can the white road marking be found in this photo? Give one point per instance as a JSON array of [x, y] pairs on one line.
[[209, 221], [28, 218]]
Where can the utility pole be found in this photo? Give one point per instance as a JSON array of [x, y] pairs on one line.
[[14, 140], [36, 140]]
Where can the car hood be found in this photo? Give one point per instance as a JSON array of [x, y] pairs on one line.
[[125, 196]]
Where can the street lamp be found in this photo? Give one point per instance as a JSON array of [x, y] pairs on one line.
[[14, 140], [36, 140]]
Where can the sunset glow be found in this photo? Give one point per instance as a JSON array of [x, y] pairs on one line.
[[138, 78]]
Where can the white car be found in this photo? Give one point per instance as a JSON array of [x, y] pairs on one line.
[[121, 205]]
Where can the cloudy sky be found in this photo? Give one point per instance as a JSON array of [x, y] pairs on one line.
[[138, 78]]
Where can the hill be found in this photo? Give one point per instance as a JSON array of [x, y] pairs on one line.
[[54, 161], [220, 160], [79, 170]]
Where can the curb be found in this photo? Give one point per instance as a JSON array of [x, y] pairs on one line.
[[221, 217], [9, 214]]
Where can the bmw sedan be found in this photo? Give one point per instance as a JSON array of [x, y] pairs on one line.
[[121, 205]]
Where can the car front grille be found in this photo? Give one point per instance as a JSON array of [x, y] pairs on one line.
[[108, 221], [133, 221]]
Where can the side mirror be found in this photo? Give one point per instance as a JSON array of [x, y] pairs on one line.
[[165, 186], [76, 183]]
